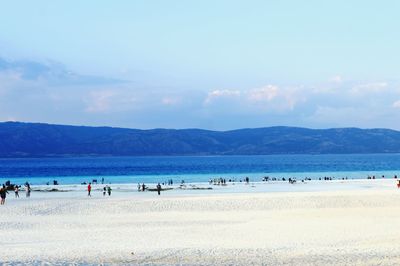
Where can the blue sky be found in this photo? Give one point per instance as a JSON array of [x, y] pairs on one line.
[[205, 64]]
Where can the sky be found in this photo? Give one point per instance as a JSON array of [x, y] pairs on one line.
[[216, 65]]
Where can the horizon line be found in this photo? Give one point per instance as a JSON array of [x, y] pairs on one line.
[[203, 129]]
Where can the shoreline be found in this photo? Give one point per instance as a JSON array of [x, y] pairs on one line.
[[229, 187], [199, 178]]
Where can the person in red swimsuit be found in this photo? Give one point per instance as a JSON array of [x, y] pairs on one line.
[[89, 189]]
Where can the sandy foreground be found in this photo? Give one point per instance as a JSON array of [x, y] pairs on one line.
[[352, 222]]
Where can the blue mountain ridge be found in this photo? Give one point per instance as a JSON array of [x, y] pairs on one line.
[[46, 140]]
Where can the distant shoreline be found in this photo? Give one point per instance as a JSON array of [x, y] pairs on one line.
[[230, 178]]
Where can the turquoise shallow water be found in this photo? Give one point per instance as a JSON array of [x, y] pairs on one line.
[[196, 168]]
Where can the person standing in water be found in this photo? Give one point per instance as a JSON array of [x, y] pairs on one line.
[[109, 190], [158, 188], [28, 190], [3, 194], [16, 190], [89, 189], [104, 191]]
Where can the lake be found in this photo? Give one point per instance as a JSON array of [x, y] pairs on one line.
[[195, 168]]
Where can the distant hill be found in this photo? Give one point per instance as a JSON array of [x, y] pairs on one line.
[[44, 140]]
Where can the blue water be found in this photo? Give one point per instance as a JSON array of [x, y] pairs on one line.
[[195, 168]]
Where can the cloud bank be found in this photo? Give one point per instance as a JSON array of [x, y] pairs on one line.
[[49, 92]]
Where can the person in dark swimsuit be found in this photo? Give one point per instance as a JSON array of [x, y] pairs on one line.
[[3, 194], [158, 188], [16, 190]]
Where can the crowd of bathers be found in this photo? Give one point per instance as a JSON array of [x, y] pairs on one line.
[[11, 187]]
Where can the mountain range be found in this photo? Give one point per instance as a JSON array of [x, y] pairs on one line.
[[45, 140]]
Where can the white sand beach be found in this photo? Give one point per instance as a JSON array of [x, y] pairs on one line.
[[351, 222]]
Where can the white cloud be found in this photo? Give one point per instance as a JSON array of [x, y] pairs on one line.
[[264, 94], [213, 95], [267, 99], [274, 98]]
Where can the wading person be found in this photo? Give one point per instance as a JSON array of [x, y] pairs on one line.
[[158, 188], [28, 190], [16, 191]]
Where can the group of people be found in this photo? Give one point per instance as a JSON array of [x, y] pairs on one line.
[[217, 181], [142, 187], [4, 191], [222, 181], [106, 190]]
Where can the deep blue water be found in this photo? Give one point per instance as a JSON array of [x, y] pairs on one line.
[[194, 168]]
